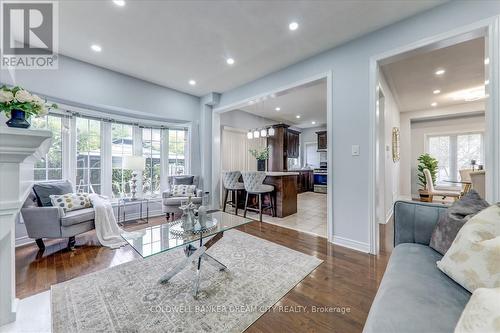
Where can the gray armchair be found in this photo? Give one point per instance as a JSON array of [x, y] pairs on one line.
[[54, 222], [170, 203]]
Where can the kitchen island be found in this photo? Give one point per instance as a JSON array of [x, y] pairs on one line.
[[285, 189]]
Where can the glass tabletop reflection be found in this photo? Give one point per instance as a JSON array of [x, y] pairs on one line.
[[161, 238]]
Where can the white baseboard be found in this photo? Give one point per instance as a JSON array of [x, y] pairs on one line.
[[351, 244], [23, 240]]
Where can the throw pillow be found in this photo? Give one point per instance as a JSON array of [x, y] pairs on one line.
[[473, 259], [183, 180], [183, 190], [482, 312], [71, 201], [454, 218], [43, 191]]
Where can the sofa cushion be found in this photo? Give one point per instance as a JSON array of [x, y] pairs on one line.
[[183, 190], [183, 180], [482, 313], [473, 259], [71, 201], [451, 221], [43, 191], [77, 216], [414, 295]]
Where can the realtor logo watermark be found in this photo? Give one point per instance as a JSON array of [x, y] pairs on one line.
[[29, 36]]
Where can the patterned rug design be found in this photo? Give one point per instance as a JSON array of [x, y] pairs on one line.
[[128, 297]]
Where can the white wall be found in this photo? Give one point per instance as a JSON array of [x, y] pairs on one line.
[[419, 131], [350, 103], [391, 169]]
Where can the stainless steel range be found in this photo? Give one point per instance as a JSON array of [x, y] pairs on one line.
[[321, 179]]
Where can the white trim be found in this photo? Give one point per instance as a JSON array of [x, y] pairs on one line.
[[351, 244], [216, 139], [141, 118], [491, 26], [389, 214]]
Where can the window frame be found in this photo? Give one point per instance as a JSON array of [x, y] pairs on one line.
[[69, 115], [453, 150]]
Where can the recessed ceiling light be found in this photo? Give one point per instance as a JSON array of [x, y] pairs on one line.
[[440, 72], [487, 61], [434, 104], [313, 122], [437, 91], [96, 48], [486, 82], [277, 108], [293, 26], [297, 116], [230, 61], [120, 3], [192, 82]]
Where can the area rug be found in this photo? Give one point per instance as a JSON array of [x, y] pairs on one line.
[[128, 297]]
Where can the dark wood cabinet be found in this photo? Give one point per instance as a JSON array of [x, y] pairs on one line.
[[322, 141], [284, 144], [293, 143], [305, 181]]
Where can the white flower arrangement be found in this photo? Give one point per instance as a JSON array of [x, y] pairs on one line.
[[16, 98]]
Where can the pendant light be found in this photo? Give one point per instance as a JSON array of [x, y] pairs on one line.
[[263, 133], [250, 135], [270, 131]]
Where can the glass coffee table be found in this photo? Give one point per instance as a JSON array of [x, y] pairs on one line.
[[166, 237]]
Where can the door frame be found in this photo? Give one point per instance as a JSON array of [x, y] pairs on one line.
[[490, 27], [216, 140]]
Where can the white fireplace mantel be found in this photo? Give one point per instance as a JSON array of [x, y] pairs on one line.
[[19, 150]]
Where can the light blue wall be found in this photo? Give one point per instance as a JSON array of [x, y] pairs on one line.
[[350, 66], [82, 84]]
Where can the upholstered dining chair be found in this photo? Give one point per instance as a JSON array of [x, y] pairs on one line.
[[478, 180], [435, 192], [232, 185], [254, 185]]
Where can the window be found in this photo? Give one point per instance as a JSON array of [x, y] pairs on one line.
[[439, 148], [455, 152], [151, 141], [50, 167], [88, 154], [121, 145], [177, 151]]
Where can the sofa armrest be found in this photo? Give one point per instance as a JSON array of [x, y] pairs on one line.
[[414, 221], [43, 222], [199, 193], [166, 194]]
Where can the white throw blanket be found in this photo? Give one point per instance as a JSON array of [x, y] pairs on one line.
[[106, 227]]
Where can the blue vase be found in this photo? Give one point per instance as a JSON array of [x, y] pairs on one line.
[[18, 119]]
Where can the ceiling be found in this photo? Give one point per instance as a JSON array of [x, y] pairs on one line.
[[307, 101], [412, 80], [172, 42]]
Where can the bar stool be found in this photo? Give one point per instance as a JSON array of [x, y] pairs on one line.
[[231, 183], [253, 181]]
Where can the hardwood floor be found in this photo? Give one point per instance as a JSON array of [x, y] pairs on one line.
[[346, 281]]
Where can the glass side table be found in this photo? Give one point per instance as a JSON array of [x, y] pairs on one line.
[[143, 204]]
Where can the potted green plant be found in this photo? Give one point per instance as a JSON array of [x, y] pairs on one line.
[[426, 161], [261, 156], [18, 104]]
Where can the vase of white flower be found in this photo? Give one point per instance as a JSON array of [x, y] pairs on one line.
[[18, 119], [19, 104]]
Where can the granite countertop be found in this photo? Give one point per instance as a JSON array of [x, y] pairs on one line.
[[281, 173]]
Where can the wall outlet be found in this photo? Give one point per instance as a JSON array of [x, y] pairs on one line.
[[355, 150]]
